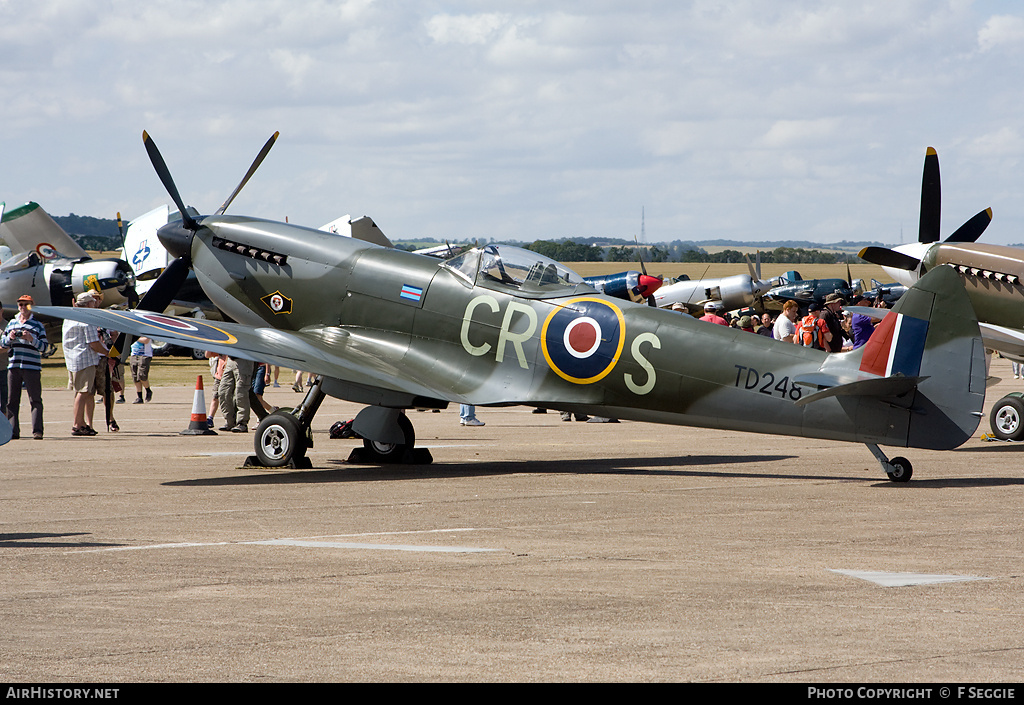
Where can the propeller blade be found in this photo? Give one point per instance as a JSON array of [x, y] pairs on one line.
[[639, 256], [973, 228], [889, 258], [252, 170], [750, 268], [120, 228], [165, 178], [166, 287], [159, 296], [931, 199]]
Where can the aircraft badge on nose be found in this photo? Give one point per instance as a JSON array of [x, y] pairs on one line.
[[277, 302]]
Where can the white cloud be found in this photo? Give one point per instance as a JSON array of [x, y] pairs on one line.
[[464, 120], [801, 133], [1001, 31], [466, 29], [1006, 141]]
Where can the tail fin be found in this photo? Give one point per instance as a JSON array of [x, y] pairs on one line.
[[896, 347], [926, 356]]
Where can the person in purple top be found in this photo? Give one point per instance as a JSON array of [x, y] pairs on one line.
[[861, 326]]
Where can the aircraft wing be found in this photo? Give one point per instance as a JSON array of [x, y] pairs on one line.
[[363, 357], [362, 228], [1008, 341], [31, 229]]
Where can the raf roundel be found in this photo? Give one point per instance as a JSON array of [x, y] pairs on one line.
[[193, 329], [582, 340]]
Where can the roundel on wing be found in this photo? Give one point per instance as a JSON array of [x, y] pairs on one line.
[[582, 339], [194, 329]]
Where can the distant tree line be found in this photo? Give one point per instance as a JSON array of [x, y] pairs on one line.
[[571, 251], [95, 234], [102, 234]]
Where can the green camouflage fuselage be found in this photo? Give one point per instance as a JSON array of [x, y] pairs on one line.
[[409, 331]]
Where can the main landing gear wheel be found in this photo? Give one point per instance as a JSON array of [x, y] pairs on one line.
[[1007, 419], [391, 452], [280, 441]]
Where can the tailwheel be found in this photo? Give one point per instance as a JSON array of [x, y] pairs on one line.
[[901, 470], [280, 441], [898, 469]]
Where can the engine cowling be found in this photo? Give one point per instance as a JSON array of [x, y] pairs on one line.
[[111, 277]]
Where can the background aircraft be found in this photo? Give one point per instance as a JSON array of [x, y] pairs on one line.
[[889, 293], [47, 264], [791, 286], [42, 260], [499, 326], [733, 292], [993, 276]]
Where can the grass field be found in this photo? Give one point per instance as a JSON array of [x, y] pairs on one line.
[[164, 372]]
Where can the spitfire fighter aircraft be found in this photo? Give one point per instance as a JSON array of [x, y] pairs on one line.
[[993, 276], [503, 326]]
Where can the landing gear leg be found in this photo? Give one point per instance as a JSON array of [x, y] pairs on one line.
[[898, 469], [282, 438]]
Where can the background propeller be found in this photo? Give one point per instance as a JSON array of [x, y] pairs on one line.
[[928, 227], [649, 284]]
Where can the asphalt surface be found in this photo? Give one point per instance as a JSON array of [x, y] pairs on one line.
[[531, 550]]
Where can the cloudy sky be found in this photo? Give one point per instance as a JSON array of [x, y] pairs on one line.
[[747, 120]]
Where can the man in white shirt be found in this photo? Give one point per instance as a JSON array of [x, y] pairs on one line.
[[785, 324], [83, 351]]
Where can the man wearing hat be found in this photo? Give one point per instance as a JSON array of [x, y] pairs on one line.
[[711, 314], [25, 337], [832, 315], [83, 351], [812, 331]]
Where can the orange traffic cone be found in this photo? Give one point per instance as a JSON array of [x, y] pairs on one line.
[[197, 426]]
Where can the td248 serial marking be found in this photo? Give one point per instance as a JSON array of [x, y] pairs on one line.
[[749, 378]]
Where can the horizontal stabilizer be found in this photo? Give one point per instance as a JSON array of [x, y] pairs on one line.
[[877, 387]]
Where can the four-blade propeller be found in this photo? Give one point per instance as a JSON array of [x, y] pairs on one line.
[[928, 227], [177, 238]]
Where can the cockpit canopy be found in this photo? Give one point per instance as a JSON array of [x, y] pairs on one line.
[[507, 267], [32, 258]]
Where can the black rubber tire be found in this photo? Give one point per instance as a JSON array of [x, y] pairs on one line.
[[903, 470], [1007, 419], [279, 440], [393, 452]]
